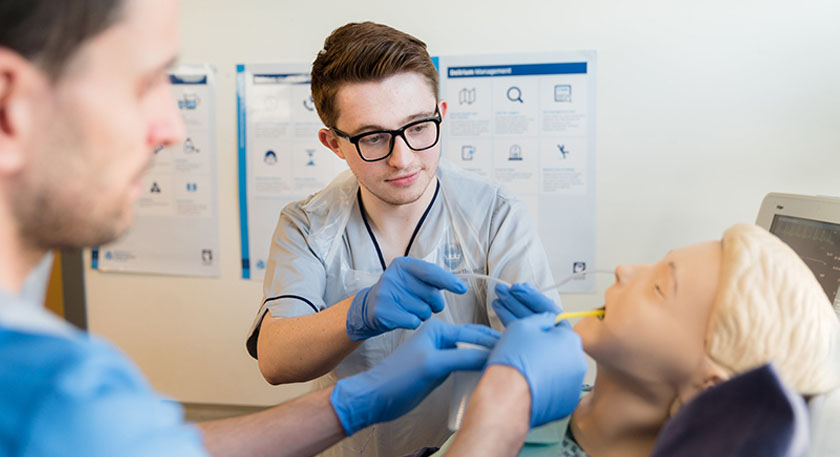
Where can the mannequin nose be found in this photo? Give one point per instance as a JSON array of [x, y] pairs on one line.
[[624, 273]]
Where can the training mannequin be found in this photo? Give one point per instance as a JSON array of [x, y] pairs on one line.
[[671, 330]]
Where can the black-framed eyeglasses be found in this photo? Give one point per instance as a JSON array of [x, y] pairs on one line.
[[379, 144]]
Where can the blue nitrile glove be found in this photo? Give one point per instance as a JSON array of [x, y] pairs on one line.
[[522, 300], [551, 360], [406, 295], [400, 382]]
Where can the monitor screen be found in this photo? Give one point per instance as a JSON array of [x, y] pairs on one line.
[[818, 243]]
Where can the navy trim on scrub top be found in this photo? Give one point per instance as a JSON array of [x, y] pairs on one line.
[[292, 296], [413, 235], [422, 219]]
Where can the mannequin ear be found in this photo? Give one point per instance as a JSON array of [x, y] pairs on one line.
[[708, 375], [329, 140]]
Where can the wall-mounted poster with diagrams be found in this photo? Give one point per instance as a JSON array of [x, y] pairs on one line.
[[528, 121], [280, 157], [176, 227]]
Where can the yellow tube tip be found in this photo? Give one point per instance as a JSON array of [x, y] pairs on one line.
[[572, 315]]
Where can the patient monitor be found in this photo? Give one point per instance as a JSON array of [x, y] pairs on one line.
[[811, 226]]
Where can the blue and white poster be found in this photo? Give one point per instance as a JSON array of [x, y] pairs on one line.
[[528, 121], [176, 229], [280, 157]]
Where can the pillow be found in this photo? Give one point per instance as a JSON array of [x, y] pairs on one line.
[[752, 414]]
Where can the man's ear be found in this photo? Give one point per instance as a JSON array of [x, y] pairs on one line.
[[19, 81], [329, 140]]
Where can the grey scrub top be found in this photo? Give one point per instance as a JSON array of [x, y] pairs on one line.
[[323, 252]]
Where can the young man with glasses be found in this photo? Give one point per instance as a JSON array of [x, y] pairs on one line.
[[356, 267]]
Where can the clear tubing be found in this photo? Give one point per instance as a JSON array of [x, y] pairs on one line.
[[542, 290], [484, 277], [573, 276]]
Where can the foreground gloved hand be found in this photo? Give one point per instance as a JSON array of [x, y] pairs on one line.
[[406, 295], [522, 300], [551, 360], [400, 382]]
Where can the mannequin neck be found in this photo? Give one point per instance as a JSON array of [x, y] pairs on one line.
[[621, 416]]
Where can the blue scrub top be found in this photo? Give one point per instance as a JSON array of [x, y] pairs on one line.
[[71, 394]]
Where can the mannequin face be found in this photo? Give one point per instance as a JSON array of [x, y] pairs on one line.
[[656, 317]]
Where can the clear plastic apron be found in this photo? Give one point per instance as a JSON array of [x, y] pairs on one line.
[[446, 240]]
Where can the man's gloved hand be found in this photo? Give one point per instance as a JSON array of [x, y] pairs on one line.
[[400, 382], [406, 295], [551, 360], [522, 300]]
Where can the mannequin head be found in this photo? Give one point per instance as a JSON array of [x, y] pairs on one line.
[[769, 307], [710, 311]]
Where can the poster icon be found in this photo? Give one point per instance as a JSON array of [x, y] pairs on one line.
[[514, 94], [466, 96], [467, 152], [563, 93], [562, 149], [515, 152], [189, 147], [188, 101], [578, 267], [270, 157], [155, 188], [309, 104], [311, 154], [207, 256]]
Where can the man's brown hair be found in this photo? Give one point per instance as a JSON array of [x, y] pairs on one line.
[[50, 32], [362, 52]]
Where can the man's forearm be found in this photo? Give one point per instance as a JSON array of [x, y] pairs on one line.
[[302, 348], [498, 416], [300, 427]]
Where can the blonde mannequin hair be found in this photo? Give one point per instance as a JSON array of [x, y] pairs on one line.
[[770, 308]]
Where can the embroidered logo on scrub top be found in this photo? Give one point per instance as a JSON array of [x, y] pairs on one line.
[[451, 254]]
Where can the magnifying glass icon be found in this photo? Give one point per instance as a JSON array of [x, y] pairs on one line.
[[514, 94]]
